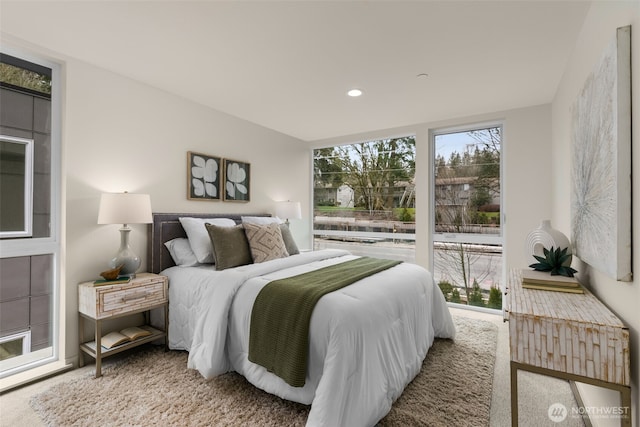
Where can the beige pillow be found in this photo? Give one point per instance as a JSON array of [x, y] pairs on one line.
[[265, 241]]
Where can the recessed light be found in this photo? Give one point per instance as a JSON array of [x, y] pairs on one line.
[[354, 92]]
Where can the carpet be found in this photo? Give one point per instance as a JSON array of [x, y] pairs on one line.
[[151, 387]]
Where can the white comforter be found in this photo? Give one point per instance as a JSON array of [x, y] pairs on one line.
[[367, 340]]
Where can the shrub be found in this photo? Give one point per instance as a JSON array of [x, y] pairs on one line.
[[455, 296], [495, 298], [446, 289], [475, 297]]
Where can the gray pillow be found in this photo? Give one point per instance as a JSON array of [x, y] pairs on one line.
[[289, 242], [230, 246]]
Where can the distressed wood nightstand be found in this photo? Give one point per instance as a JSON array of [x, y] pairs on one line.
[[143, 293]]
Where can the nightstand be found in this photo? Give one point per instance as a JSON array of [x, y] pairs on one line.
[[570, 336], [140, 295]]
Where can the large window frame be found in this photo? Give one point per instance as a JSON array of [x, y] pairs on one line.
[[51, 244], [464, 238], [350, 233]]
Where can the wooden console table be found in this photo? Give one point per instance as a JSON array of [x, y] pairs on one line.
[[568, 336]]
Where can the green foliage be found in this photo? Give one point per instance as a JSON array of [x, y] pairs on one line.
[[373, 169], [475, 297], [480, 197], [553, 261], [25, 78], [447, 289], [406, 215], [479, 218], [455, 296], [327, 167], [495, 298]]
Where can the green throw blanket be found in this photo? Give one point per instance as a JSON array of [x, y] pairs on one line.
[[279, 332]]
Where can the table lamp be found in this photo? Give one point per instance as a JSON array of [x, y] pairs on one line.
[[288, 210], [125, 208]]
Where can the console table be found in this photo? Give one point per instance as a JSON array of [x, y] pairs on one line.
[[568, 336]]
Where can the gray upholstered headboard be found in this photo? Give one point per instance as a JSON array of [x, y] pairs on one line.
[[166, 226]]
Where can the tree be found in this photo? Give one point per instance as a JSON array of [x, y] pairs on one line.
[[25, 78], [446, 289], [374, 169], [487, 159], [495, 298], [475, 297], [327, 167], [480, 197], [458, 259], [455, 296]]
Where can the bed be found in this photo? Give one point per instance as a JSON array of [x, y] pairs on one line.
[[367, 341]]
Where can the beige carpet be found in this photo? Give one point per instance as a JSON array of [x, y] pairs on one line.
[[155, 388]]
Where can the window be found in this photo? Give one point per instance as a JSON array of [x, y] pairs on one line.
[[16, 180], [364, 198], [11, 347], [29, 212], [466, 215]]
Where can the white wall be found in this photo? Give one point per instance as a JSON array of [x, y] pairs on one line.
[[621, 297], [526, 181], [124, 135], [120, 134]]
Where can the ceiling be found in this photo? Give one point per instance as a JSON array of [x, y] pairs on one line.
[[288, 65]]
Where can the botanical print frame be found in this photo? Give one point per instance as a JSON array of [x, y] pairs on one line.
[[601, 170], [237, 177], [203, 176]]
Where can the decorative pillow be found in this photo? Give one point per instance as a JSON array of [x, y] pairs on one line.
[[181, 252], [199, 238], [261, 220], [265, 241], [289, 242], [231, 248]]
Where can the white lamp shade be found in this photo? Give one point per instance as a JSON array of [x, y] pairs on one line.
[[288, 210], [124, 208]]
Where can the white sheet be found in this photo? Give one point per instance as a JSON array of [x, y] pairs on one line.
[[367, 340]]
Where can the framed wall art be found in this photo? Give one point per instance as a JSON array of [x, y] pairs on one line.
[[601, 168], [203, 176], [236, 181]]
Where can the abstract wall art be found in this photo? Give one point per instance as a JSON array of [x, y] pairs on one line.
[[601, 163]]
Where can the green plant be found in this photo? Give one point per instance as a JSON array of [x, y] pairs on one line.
[[495, 298], [475, 298], [455, 296], [553, 261], [446, 289], [405, 215]]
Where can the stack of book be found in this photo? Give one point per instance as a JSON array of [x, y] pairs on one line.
[[532, 279], [103, 282]]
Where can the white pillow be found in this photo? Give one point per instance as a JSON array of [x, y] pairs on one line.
[[199, 237], [261, 220], [181, 252]]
